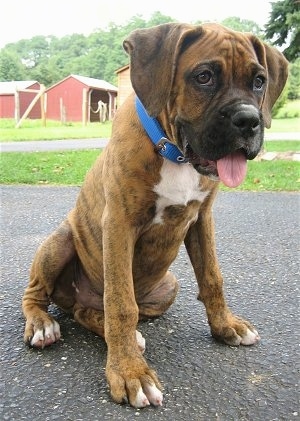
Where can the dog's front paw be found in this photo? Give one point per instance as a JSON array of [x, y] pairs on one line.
[[131, 380], [41, 331], [235, 331]]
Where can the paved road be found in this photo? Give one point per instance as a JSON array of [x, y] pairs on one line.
[[75, 144], [52, 145], [258, 246]]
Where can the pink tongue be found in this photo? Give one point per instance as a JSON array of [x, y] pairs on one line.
[[232, 169]]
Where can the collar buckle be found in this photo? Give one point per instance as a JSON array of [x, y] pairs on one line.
[[155, 132], [161, 145]]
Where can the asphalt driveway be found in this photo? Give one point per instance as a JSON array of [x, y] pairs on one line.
[[258, 247]]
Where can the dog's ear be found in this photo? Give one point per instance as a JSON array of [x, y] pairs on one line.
[[277, 71], [153, 58]]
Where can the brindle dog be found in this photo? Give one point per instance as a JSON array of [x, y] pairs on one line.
[[211, 90]]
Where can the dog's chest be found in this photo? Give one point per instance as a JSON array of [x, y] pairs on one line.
[[178, 187]]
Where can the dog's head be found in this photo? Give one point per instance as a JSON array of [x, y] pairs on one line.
[[212, 89]]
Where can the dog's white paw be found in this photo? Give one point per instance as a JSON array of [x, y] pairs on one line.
[[150, 394], [141, 400], [153, 394], [140, 341], [47, 336], [250, 338]]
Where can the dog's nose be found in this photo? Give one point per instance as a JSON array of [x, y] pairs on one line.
[[246, 120]]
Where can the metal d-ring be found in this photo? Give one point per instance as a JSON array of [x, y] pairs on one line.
[[161, 144]]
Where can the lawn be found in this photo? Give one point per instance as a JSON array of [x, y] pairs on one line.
[[271, 176], [34, 130], [282, 146], [287, 125], [65, 168], [70, 167]]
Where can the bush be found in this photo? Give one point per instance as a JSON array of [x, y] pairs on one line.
[[281, 101], [294, 85], [290, 110]]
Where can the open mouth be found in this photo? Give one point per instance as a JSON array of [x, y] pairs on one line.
[[230, 169]]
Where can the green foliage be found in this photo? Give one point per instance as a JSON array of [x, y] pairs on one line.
[[281, 101], [288, 114], [11, 67], [284, 27], [294, 80], [242, 25]]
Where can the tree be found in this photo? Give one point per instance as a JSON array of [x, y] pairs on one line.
[[242, 25], [294, 80], [11, 67], [157, 19], [283, 27]]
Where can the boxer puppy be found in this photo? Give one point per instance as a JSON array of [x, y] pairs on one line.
[[203, 95]]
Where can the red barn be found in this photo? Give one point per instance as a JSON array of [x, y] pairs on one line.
[[80, 98], [14, 100]]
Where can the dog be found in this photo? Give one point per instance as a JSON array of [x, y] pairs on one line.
[[202, 97]]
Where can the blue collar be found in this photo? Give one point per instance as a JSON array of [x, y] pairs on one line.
[[154, 130]]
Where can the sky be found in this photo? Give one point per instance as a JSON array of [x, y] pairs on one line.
[[25, 19]]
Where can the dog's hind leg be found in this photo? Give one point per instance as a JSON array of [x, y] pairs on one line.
[[93, 320], [90, 318], [50, 260], [154, 300]]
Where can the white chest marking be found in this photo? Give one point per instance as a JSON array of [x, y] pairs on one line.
[[179, 184]]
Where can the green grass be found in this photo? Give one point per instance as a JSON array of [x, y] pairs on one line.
[[62, 168], [288, 125], [70, 167], [271, 176], [33, 130], [282, 146]]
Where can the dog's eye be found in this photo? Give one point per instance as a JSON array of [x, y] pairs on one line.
[[258, 83], [205, 77]]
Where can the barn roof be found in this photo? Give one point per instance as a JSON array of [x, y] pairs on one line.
[[121, 69], [9, 88], [89, 82], [96, 83]]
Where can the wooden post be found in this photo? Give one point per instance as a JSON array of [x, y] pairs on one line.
[[43, 113], [84, 106], [17, 105]]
